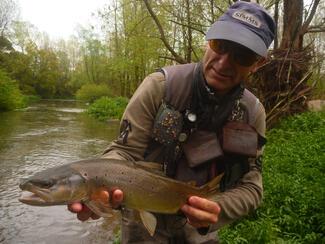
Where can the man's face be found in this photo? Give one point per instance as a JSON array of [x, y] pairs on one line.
[[223, 67]]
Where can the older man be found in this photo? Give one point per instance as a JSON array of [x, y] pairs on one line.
[[214, 126]]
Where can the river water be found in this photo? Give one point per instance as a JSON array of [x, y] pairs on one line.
[[44, 135]]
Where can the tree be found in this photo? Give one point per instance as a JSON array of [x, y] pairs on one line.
[[294, 28], [8, 11], [282, 83]]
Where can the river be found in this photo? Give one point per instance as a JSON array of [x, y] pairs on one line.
[[47, 134]]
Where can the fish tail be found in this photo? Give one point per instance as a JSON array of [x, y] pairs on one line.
[[212, 187]]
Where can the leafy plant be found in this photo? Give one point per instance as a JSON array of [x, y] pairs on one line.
[[91, 92], [108, 108], [10, 95], [294, 193]]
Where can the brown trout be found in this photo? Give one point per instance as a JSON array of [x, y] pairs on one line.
[[143, 189]]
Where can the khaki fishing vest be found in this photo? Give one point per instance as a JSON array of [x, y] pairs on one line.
[[178, 79], [192, 165]]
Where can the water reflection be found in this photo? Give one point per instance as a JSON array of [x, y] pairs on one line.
[[48, 134]]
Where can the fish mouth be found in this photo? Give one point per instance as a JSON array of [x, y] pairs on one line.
[[36, 196]]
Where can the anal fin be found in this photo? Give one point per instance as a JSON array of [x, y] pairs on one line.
[[149, 221]]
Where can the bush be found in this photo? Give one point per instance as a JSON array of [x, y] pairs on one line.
[[10, 95], [294, 193], [108, 108], [91, 92], [29, 99]]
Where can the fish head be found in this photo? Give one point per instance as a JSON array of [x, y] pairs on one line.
[[55, 186]]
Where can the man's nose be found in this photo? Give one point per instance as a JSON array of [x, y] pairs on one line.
[[225, 59]]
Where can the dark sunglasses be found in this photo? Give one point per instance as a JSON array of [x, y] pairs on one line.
[[238, 53]]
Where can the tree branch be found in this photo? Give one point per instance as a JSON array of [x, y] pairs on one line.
[[169, 58], [305, 25], [315, 29], [178, 58], [188, 26]]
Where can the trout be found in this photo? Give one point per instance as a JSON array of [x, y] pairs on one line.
[[143, 190]]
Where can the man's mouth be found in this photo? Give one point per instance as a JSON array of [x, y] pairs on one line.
[[222, 75]]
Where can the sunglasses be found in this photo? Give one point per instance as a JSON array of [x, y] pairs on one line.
[[238, 53]]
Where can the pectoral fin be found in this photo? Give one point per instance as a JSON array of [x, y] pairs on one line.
[[149, 221], [102, 210]]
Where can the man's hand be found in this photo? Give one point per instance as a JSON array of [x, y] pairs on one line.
[[84, 213], [201, 212]]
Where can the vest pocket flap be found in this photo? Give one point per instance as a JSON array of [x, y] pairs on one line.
[[239, 138], [201, 147]]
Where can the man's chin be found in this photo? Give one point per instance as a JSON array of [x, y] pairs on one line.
[[220, 89], [219, 86]]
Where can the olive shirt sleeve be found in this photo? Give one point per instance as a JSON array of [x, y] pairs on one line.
[[247, 195], [137, 120]]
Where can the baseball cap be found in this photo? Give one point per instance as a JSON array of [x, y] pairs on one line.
[[245, 23]]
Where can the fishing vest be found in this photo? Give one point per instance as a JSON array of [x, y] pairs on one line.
[[199, 155]]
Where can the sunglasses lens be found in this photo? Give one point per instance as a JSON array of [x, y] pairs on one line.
[[240, 54], [244, 56], [218, 46]]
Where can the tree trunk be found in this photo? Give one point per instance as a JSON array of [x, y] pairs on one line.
[[276, 20], [292, 23], [189, 32]]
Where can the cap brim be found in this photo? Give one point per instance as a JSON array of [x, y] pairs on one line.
[[237, 33]]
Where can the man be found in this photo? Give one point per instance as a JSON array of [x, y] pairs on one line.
[[214, 126]]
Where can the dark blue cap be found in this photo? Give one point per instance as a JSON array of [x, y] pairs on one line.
[[247, 24]]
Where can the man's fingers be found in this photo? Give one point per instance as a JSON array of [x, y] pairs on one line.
[[94, 216], [75, 207], [197, 224], [196, 215], [84, 214], [82, 211], [117, 198], [204, 204]]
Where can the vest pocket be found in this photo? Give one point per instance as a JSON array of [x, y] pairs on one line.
[[201, 146], [239, 138]]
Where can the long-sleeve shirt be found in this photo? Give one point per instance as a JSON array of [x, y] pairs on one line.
[[136, 134]]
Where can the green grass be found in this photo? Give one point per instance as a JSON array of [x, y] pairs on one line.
[[293, 209]]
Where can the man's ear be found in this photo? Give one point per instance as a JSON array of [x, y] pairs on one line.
[[261, 61]]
